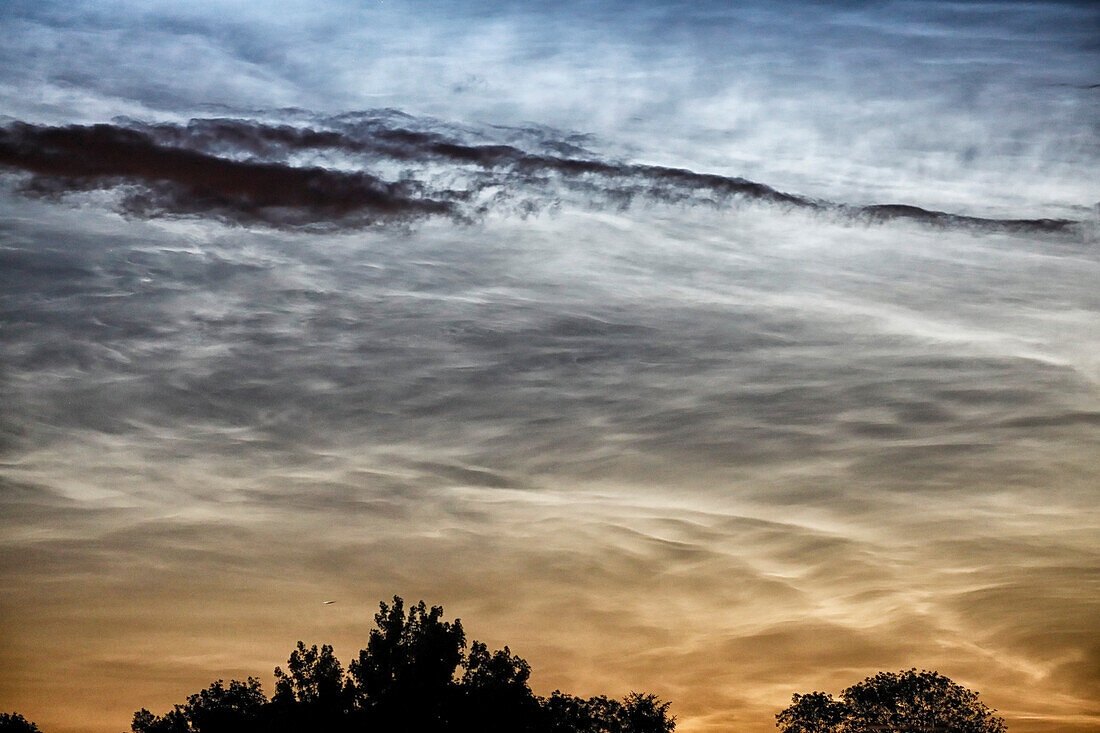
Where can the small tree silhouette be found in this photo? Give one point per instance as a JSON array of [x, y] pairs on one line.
[[645, 714], [892, 702], [16, 723]]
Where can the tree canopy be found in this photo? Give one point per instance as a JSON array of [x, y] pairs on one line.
[[892, 702], [416, 673], [16, 723]]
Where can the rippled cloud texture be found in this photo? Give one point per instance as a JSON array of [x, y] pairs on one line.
[[634, 335]]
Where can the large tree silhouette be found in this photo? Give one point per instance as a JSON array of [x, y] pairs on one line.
[[892, 702], [416, 674]]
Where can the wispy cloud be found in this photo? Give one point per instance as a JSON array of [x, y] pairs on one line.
[[679, 438], [718, 350]]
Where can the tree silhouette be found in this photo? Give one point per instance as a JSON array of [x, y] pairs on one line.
[[225, 708], [406, 673], [495, 683], [416, 666], [892, 702], [635, 714], [16, 723], [414, 674], [237, 707], [645, 714], [313, 676]]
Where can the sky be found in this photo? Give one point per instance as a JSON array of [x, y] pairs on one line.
[[719, 351]]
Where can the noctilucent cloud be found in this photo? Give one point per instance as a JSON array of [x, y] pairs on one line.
[[718, 350]]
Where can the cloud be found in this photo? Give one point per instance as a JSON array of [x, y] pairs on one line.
[[715, 427], [242, 171], [648, 446], [179, 181], [946, 107]]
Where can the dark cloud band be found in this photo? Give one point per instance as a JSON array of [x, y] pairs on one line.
[[181, 180], [197, 169]]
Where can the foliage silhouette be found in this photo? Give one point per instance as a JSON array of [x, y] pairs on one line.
[[892, 702], [406, 673], [415, 674], [16, 723]]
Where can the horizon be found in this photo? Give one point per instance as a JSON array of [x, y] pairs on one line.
[[721, 353]]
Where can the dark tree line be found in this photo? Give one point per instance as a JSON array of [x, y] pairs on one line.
[[416, 674]]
